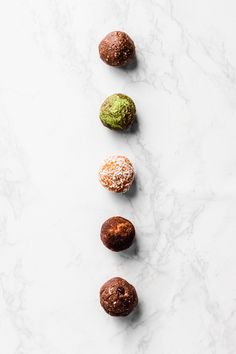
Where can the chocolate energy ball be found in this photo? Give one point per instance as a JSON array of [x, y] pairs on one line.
[[118, 297], [117, 112], [117, 174], [117, 233], [116, 49]]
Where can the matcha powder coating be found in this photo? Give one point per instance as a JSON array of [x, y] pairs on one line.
[[117, 112]]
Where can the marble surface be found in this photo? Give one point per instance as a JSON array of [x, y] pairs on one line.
[[183, 203]]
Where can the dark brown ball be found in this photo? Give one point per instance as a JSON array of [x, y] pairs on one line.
[[118, 297], [117, 233], [116, 49]]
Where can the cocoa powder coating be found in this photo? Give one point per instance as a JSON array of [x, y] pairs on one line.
[[117, 233]]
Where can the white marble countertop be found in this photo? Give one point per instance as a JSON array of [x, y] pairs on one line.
[[52, 262]]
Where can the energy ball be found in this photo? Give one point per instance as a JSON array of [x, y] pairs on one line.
[[117, 112], [117, 233], [118, 297], [117, 174], [116, 49]]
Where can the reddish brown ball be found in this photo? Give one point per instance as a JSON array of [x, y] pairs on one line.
[[116, 49], [118, 297], [117, 233]]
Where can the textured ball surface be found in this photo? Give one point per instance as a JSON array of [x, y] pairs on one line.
[[116, 49], [117, 112], [117, 233], [118, 297], [117, 174]]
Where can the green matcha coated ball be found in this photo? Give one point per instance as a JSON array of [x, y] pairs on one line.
[[117, 112]]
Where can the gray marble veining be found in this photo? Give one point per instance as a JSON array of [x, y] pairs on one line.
[[183, 203]]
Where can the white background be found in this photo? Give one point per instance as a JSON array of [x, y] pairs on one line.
[[52, 262]]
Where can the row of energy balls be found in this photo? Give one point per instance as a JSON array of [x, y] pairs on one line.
[[117, 296]]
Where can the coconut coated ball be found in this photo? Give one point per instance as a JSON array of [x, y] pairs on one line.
[[117, 174], [117, 112]]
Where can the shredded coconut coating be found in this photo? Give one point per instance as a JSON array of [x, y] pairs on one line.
[[117, 174]]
